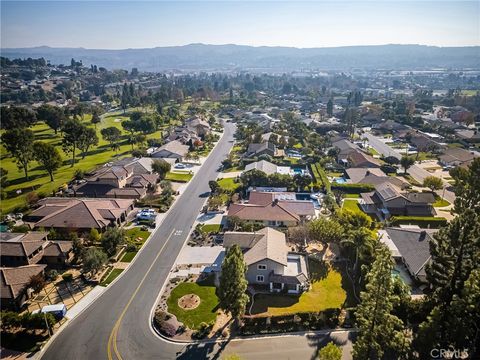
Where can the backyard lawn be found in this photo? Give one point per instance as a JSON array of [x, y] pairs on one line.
[[352, 205], [326, 292], [206, 310], [179, 177], [352, 196], [112, 276], [228, 184]]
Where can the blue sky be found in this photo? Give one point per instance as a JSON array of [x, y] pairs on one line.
[[129, 24]]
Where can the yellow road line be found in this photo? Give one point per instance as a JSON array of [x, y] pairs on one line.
[[112, 340]]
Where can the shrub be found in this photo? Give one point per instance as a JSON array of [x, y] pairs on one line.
[[79, 174], [67, 277], [20, 229], [422, 221], [131, 247], [202, 331], [167, 328], [52, 275], [32, 198]]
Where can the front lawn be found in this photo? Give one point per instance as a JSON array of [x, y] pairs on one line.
[[136, 234], [211, 228], [112, 276], [205, 312], [179, 177], [439, 202], [327, 291], [128, 256], [228, 184]]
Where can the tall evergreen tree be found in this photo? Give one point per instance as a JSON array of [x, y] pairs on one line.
[[233, 284], [379, 331]]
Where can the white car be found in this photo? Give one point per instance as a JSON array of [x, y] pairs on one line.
[[180, 166]]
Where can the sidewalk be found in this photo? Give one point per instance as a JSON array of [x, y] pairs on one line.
[[84, 302]]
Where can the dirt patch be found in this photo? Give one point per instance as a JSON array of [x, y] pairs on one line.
[[189, 302]]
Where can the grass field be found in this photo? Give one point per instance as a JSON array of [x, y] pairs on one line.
[[327, 291], [179, 177], [352, 205], [137, 233], [352, 196], [112, 276], [228, 184], [205, 312], [211, 228], [39, 180], [128, 257]]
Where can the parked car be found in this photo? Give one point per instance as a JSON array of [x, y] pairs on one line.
[[147, 214], [179, 166]]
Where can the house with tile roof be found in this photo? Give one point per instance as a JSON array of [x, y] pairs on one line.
[[173, 149], [350, 155], [273, 209], [14, 284], [79, 214], [269, 263]]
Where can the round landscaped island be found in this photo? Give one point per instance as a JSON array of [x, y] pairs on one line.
[[189, 301]]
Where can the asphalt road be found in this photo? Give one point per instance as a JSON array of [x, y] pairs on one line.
[[117, 325], [415, 171]]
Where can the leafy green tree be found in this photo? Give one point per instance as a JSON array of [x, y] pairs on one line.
[[92, 260], [406, 162], [111, 239], [433, 183], [96, 119], [113, 136], [37, 282], [233, 283], [352, 220], [161, 167], [78, 248], [325, 230], [48, 156], [330, 352], [19, 143], [466, 187], [302, 181], [379, 330], [72, 132], [362, 242], [94, 235], [14, 117], [214, 186], [88, 138], [53, 116]]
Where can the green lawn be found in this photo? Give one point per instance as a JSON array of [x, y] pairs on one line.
[[439, 202], [352, 196], [352, 205], [234, 169], [39, 180], [211, 228], [327, 291], [112, 276], [128, 257], [137, 233], [228, 184], [334, 174], [205, 312], [179, 177]]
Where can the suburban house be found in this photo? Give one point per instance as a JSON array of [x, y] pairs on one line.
[[263, 148], [388, 126], [18, 249], [424, 143], [350, 155], [456, 157], [269, 262], [79, 214], [373, 176], [130, 180], [468, 136], [411, 247], [273, 209], [14, 284], [270, 168], [173, 149], [388, 200], [198, 125]]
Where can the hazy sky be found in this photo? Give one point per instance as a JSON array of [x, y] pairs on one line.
[[133, 24]]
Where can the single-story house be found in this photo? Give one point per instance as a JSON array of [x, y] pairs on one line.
[[388, 200], [269, 168], [173, 149], [469, 136], [269, 262], [14, 282], [411, 246], [273, 209], [373, 176], [264, 148], [456, 157], [79, 214], [352, 156]]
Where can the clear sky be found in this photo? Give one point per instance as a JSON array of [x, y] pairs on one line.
[[134, 24]]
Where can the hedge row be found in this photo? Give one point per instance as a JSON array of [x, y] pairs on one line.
[[320, 176], [353, 188], [422, 221]]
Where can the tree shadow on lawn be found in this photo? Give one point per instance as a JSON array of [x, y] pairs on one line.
[[346, 284], [22, 180], [318, 269], [262, 302]]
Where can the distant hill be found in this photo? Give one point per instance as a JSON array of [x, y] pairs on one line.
[[196, 57]]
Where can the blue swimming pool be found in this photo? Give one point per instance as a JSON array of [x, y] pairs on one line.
[[298, 171], [340, 180]]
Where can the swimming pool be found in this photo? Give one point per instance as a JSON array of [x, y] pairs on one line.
[[298, 171], [340, 180]]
